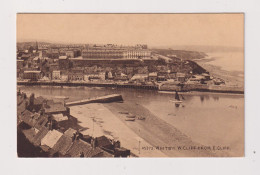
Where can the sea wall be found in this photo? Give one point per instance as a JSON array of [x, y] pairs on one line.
[[164, 87]]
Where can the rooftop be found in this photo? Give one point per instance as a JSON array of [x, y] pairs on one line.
[[55, 107], [59, 117], [63, 144], [79, 146], [39, 100], [51, 138]]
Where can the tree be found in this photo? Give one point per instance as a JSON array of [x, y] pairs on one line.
[[31, 100], [30, 50]]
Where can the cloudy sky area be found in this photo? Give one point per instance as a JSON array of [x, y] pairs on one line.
[[129, 29]]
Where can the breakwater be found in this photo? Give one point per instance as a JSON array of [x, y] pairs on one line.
[[103, 99]]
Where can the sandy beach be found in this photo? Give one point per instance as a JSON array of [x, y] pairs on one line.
[[106, 123], [156, 137], [159, 133]]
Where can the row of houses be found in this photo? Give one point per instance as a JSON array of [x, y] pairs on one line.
[[36, 75]]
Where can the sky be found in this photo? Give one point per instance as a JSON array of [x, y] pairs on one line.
[[130, 29]]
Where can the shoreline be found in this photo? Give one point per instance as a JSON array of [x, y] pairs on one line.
[[159, 133], [233, 77], [151, 137]]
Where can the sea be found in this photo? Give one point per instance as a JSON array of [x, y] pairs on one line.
[[232, 61]]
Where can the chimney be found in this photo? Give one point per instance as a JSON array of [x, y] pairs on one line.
[[93, 143], [74, 137]]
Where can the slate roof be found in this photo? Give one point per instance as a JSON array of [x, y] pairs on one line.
[[45, 148], [63, 144], [39, 100], [34, 135], [55, 107], [103, 141], [34, 119], [21, 107], [28, 118], [20, 99], [30, 134], [69, 132], [42, 120], [81, 146], [39, 136]]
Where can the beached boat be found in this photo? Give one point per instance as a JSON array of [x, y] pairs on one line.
[[130, 116], [140, 118], [166, 92], [61, 97], [130, 119]]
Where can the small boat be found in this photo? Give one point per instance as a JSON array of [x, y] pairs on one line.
[[166, 92], [176, 101], [141, 118], [177, 98], [130, 116], [61, 97], [130, 119]]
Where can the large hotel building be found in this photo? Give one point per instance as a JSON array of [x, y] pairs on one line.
[[137, 52]]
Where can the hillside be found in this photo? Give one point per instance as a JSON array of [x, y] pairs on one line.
[[183, 54]]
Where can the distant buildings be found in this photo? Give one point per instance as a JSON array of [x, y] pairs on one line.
[[152, 76], [20, 64], [32, 75], [64, 63], [94, 76], [181, 77], [116, 52], [64, 77], [104, 63], [140, 78], [56, 75], [73, 76]]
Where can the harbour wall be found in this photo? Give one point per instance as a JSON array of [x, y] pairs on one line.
[[182, 87]]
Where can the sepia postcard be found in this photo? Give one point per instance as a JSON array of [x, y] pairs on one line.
[[130, 85]]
